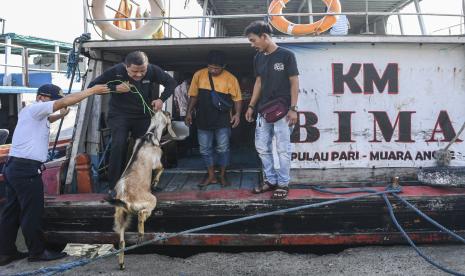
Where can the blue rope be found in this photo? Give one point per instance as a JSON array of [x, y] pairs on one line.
[[399, 227], [67, 266], [405, 235], [73, 64], [102, 158], [351, 191], [432, 221]]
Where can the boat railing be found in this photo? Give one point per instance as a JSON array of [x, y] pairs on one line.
[[450, 29], [369, 15], [172, 32], [26, 53]]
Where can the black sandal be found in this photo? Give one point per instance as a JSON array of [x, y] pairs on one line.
[[264, 187], [280, 193]]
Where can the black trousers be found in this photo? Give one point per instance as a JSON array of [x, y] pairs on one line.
[[120, 127], [24, 207]]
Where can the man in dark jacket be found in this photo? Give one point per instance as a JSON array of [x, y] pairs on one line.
[[132, 83]]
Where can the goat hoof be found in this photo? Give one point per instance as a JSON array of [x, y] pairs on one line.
[[121, 267]]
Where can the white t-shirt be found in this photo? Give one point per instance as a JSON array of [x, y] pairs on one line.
[[181, 97], [31, 136], [341, 27]]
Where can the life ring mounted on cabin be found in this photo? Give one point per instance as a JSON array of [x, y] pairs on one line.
[[285, 26], [145, 31]]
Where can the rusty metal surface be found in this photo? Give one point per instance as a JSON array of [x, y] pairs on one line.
[[255, 240]]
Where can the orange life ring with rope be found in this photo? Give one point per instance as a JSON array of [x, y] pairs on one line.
[[285, 26]]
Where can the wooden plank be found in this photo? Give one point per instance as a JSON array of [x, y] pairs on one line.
[[93, 131], [249, 180], [213, 187], [352, 175], [176, 183], [193, 181], [199, 239], [165, 179], [234, 179], [81, 125], [363, 216]]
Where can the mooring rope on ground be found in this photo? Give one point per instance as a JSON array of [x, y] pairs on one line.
[[67, 266], [412, 244], [399, 227]]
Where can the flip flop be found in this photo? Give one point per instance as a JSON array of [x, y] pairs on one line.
[[264, 187], [280, 193]]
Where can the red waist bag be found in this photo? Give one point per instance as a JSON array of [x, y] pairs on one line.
[[274, 110]]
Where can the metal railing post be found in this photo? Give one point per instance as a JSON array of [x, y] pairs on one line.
[[170, 34], [401, 25], [57, 57], [84, 7], [6, 76], [462, 26], [3, 25], [420, 17], [367, 27], [310, 10], [204, 20], [25, 69]]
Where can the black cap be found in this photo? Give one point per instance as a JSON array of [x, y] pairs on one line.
[[50, 90]]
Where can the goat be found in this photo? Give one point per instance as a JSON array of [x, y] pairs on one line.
[[133, 189]]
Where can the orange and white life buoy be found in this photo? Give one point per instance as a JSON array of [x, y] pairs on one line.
[[145, 31], [285, 26]]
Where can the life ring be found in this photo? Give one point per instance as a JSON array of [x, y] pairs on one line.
[[285, 26], [145, 31]]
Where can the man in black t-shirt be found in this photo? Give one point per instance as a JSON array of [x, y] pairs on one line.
[[131, 83], [277, 76]]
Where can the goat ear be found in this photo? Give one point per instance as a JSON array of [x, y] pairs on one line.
[[167, 114]]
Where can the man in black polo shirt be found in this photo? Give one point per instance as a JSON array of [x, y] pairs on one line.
[[131, 83]]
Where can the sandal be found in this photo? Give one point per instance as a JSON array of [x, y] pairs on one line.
[[264, 187], [280, 193]]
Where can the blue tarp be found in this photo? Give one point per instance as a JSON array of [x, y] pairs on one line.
[[17, 90], [24, 89], [35, 79]]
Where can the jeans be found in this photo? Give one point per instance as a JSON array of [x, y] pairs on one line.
[[264, 133], [222, 146]]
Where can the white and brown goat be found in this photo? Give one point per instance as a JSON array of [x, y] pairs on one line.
[[133, 189]]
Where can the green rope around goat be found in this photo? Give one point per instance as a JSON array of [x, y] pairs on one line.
[[135, 91]]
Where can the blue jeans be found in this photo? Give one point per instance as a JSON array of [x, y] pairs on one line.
[[264, 133], [221, 136]]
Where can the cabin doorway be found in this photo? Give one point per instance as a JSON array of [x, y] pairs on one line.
[[188, 168]]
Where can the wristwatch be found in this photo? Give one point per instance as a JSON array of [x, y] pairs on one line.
[[293, 108]]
